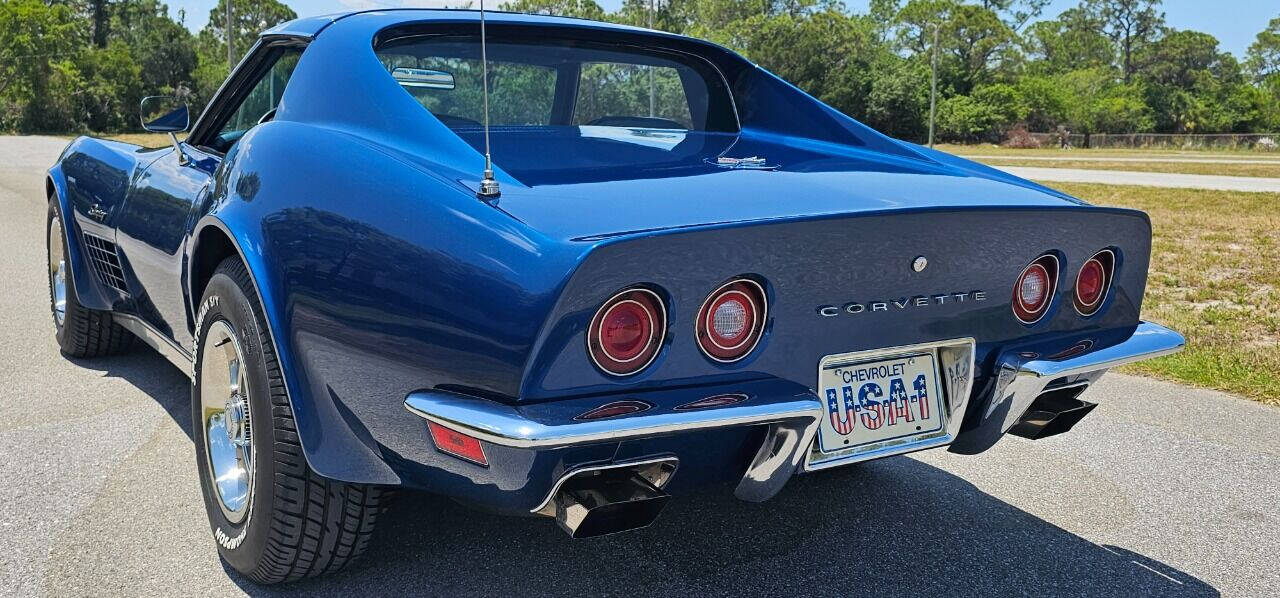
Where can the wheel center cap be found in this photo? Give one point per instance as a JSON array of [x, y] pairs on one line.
[[236, 418]]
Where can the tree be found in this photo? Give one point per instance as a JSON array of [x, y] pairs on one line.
[[1264, 52], [1131, 24], [249, 18], [583, 9], [1191, 85], [1072, 41], [971, 38], [37, 42]]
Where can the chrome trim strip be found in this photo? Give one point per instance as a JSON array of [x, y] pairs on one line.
[[544, 507], [152, 337], [955, 363], [505, 425], [1148, 342]]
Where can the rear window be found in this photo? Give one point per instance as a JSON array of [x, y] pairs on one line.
[[536, 83]]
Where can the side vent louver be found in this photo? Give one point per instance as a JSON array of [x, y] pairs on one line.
[[105, 262]]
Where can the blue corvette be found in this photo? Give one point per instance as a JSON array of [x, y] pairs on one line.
[[677, 271]]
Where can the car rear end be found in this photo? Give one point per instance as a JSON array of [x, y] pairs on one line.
[[745, 353]]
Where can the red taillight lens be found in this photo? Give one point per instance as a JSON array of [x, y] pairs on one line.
[[627, 332], [1092, 282], [731, 320], [456, 443], [1033, 291]]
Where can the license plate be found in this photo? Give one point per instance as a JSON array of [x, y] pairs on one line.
[[888, 401]]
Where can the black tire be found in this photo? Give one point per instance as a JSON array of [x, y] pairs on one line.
[[83, 332], [298, 524]]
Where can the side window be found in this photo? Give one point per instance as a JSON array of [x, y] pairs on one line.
[[520, 94], [260, 105], [632, 95]]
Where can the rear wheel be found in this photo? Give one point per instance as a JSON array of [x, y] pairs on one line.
[[81, 332], [273, 518]]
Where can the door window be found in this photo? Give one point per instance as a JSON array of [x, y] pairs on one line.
[[260, 104]]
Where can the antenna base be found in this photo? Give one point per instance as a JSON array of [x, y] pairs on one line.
[[489, 188]]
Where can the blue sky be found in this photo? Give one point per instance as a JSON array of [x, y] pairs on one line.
[[1233, 22]]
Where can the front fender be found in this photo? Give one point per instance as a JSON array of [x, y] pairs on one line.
[[88, 293]]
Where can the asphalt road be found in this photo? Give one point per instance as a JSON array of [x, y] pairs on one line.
[[1085, 156], [1163, 490], [1146, 179]]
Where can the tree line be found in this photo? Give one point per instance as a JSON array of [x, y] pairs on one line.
[[1103, 66]]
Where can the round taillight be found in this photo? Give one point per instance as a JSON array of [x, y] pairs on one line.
[[1033, 291], [627, 331], [1092, 282], [731, 320]]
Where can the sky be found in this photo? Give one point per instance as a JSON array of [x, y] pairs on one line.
[[1234, 22]]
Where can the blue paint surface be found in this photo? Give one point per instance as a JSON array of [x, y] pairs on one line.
[[381, 273]]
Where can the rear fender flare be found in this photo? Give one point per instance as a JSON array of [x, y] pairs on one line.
[[333, 443]]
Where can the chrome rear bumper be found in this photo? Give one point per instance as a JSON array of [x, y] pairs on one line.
[[793, 416], [1023, 376]]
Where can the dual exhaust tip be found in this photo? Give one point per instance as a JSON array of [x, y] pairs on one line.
[[612, 500], [1053, 412]]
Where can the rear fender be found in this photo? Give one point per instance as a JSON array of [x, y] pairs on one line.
[[344, 451]]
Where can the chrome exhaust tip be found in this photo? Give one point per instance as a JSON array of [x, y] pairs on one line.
[[1053, 412], [607, 501]]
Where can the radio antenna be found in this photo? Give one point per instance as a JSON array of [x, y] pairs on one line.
[[488, 185]]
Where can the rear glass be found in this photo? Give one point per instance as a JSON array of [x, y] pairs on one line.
[[539, 83]]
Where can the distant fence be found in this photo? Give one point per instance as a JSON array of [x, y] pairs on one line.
[[1267, 142]]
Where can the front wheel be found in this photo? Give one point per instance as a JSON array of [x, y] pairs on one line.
[[80, 331], [273, 518]]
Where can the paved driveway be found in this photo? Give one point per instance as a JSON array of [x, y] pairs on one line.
[[1164, 490]]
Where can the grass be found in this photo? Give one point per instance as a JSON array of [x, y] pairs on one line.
[[144, 139], [1248, 170], [988, 149], [1214, 278]]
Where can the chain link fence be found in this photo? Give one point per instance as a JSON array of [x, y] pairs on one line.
[[1263, 142]]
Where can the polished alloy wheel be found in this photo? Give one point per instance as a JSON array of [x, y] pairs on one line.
[[57, 272], [224, 407]]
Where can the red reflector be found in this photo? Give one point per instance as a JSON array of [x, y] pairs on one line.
[[457, 444], [615, 409], [713, 401]]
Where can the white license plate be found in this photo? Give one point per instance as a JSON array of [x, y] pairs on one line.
[[887, 401]]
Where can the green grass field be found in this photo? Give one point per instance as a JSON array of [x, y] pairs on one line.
[[1214, 277]]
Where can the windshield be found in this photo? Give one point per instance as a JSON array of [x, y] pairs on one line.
[[571, 84]]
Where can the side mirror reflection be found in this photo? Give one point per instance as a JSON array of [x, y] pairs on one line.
[[165, 114]]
